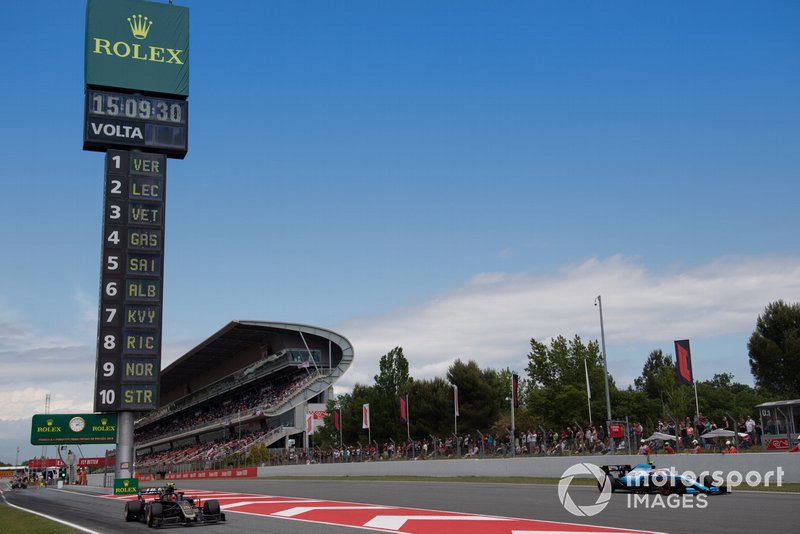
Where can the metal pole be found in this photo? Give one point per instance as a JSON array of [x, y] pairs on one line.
[[408, 429], [513, 429], [124, 466], [455, 417], [588, 392], [599, 303]]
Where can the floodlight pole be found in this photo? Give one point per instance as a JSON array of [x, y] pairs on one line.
[[599, 302]]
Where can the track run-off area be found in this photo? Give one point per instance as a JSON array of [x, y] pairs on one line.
[[381, 517]]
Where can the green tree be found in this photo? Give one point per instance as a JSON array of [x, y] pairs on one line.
[[478, 399], [431, 408], [391, 381], [634, 405], [351, 405], [722, 396], [327, 435], [393, 373], [556, 389], [649, 382], [774, 350], [665, 398]]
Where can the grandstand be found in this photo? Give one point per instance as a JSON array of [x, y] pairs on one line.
[[247, 384]]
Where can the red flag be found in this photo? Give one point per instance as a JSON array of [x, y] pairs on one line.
[[337, 423], [365, 416], [404, 408], [683, 355], [455, 400]]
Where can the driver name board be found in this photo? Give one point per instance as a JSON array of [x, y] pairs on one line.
[[129, 325]]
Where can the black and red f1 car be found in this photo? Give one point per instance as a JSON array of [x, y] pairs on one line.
[[164, 506]]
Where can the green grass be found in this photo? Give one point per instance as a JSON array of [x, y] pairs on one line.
[[30, 523], [786, 487]]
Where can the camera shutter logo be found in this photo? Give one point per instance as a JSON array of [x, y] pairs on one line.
[[569, 504]]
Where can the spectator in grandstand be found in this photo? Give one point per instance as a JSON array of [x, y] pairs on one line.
[[696, 448], [668, 448], [729, 448]]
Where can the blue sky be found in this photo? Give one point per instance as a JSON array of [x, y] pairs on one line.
[[454, 177]]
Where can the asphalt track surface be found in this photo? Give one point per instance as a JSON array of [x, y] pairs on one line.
[[740, 512]]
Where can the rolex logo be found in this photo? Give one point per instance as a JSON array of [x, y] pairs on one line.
[[49, 422], [140, 25], [126, 483], [103, 421]]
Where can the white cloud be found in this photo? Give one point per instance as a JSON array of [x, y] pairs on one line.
[[493, 316], [65, 397]]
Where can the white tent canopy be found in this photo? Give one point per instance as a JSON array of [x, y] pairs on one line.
[[722, 433], [661, 436]]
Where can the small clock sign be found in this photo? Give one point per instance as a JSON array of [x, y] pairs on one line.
[[77, 424]]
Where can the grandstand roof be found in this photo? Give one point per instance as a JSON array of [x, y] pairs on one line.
[[232, 339]]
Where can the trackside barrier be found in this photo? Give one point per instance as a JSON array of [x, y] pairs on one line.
[[512, 467], [244, 472], [547, 466]]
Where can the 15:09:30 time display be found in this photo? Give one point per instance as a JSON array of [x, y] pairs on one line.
[[105, 103]]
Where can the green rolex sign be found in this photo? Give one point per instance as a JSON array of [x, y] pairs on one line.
[[126, 486], [132, 44], [68, 429]]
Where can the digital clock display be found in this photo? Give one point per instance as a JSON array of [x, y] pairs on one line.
[[143, 122], [124, 106]]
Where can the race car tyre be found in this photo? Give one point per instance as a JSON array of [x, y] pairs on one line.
[[211, 507], [133, 510], [608, 480], [666, 489], [154, 514], [708, 481]]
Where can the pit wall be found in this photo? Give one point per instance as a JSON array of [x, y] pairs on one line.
[[551, 467]]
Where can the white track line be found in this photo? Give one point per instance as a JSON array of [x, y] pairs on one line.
[[51, 518]]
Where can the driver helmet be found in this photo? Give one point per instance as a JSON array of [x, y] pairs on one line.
[[170, 485]]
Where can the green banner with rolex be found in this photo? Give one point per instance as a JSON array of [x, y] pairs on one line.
[[126, 486], [73, 429], [137, 45]]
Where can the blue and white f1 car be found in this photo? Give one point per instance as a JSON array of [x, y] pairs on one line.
[[645, 478]]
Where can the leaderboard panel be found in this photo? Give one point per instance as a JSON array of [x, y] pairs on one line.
[[130, 312]]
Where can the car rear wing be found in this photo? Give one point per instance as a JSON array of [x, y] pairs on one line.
[[620, 469]]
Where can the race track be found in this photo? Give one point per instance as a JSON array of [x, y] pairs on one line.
[[285, 511]]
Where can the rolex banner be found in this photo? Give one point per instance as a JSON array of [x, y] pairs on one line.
[[137, 45], [73, 429]]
